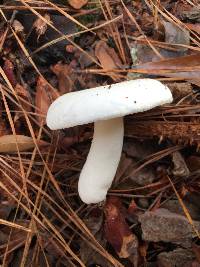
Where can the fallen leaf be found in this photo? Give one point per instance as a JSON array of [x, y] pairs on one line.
[[3, 125], [194, 27], [9, 71], [185, 67], [175, 35], [65, 76], [8, 143], [117, 231], [40, 25], [196, 250], [24, 93], [43, 98], [193, 163], [18, 27], [107, 56], [77, 4], [180, 168]]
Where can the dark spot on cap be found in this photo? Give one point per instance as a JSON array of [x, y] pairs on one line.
[[135, 102]]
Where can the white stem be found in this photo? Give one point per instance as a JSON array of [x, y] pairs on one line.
[[102, 161]]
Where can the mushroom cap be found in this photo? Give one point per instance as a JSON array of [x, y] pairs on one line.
[[106, 102]]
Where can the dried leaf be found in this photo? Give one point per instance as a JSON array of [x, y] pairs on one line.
[[193, 163], [8, 143], [194, 27], [41, 26], [107, 56], [180, 167], [185, 67], [9, 71], [117, 231], [65, 77], [77, 4], [196, 250], [175, 35], [18, 27], [24, 93], [43, 98]]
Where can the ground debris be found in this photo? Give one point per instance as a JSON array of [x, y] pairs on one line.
[[176, 258], [163, 225]]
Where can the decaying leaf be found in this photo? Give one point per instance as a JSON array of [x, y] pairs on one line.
[[23, 92], [40, 25], [77, 4], [43, 98], [180, 167], [9, 71], [194, 27], [65, 77], [3, 126], [107, 56], [117, 231], [185, 67], [8, 143], [175, 35], [18, 27]]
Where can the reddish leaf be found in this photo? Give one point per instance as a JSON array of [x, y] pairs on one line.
[[44, 97], [186, 67], [194, 27], [117, 231], [196, 250], [65, 76], [24, 93], [9, 71], [132, 207], [77, 4]]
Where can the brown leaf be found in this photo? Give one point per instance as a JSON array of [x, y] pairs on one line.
[[132, 208], [117, 231], [8, 143], [180, 167], [40, 25], [3, 125], [185, 67], [43, 98], [194, 27], [107, 56], [24, 93], [77, 4], [18, 27], [65, 77], [196, 250], [9, 71], [193, 163]]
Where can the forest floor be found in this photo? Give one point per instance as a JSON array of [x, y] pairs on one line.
[[151, 216]]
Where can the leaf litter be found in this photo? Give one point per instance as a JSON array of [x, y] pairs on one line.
[[151, 215]]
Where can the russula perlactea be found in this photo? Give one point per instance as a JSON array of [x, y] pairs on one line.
[[105, 106]]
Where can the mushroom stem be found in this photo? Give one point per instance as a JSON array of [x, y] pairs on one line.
[[102, 161]]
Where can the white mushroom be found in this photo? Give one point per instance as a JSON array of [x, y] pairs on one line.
[[106, 106]]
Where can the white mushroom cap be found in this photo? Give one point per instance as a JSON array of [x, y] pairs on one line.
[[106, 102]]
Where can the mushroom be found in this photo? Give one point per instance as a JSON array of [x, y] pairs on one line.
[[105, 106]]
